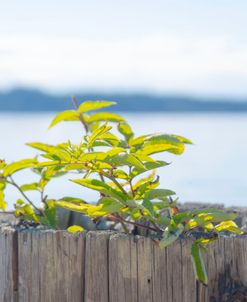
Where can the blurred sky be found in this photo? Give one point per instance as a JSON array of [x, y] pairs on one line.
[[193, 46]]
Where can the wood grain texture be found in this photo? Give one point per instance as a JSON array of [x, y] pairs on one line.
[[48, 266], [159, 273], [96, 267], [144, 269], [51, 266], [174, 272], [8, 262], [122, 269], [189, 285]]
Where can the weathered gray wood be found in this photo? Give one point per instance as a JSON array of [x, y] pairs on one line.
[[188, 277], [122, 268], [48, 266], [144, 269], [8, 265], [96, 267], [174, 272], [51, 266], [159, 273]]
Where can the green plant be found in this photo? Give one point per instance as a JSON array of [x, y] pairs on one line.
[[122, 169]]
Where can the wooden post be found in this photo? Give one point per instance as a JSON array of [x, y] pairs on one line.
[[8, 265]]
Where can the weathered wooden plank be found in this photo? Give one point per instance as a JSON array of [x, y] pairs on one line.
[[189, 285], [144, 269], [174, 272], [122, 268], [51, 266], [216, 267], [8, 265], [96, 267], [159, 273]]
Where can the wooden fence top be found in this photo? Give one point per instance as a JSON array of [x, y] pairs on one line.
[[48, 266]]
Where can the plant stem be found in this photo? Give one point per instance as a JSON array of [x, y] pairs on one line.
[[124, 227], [84, 123], [74, 100], [155, 225], [119, 218], [115, 182], [13, 183]]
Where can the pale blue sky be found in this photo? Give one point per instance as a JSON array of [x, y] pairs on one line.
[[192, 47]]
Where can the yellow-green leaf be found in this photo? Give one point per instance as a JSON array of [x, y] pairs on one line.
[[158, 194], [2, 164], [171, 234], [30, 187], [126, 131], [94, 105], [19, 165], [41, 146], [26, 211], [82, 208], [65, 116], [97, 132], [157, 148], [105, 117], [229, 226], [183, 139], [75, 229], [3, 203], [101, 187]]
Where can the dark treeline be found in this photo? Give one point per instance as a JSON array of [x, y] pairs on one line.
[[34, 100]]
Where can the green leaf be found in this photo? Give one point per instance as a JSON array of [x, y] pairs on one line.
[[73, 199], [19, 165], [217, 216], [150, 178], [138, 141], [75, 229], [148, 205], [163, 219], [101, 187], [125, 160], [120, 174], [81, 208], [110, 205], [50, 217], [183, 139], [126, 131], [110, 138], [97, 132], [41, 146], [2, 164], [198, 263], [158, 194], [157, 148], [148, 166], [65, 116], [3, 203], [229, 226], [171, 234], [26, 211], [104, 117], [30, 187], [94, 105]]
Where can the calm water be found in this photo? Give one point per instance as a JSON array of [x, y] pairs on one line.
[[214, 169]]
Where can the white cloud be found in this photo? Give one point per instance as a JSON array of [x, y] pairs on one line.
[[159, 62]]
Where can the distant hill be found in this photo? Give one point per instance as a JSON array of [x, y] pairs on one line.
[[34, 100]]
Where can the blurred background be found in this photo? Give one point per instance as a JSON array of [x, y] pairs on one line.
[[173, 66]]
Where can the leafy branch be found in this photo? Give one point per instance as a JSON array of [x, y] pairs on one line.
[[122, 169]]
